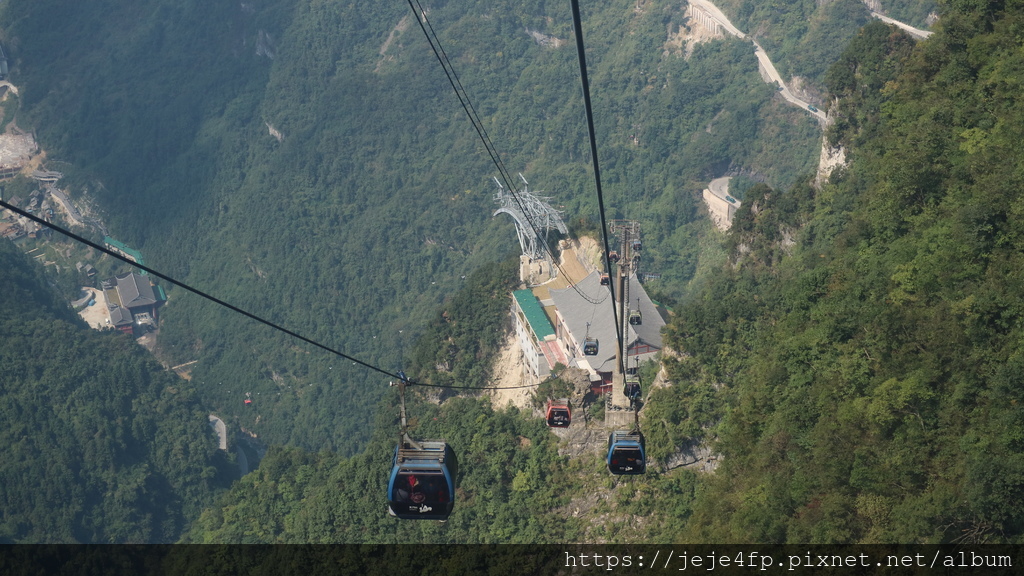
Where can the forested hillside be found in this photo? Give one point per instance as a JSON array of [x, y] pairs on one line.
[[918, 13], [307, 161], [855, 366], [868, 378], [803, 38], [98, 443], [515, 483]]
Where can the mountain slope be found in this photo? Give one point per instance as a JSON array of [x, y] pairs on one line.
[[373, 199], [870, 374], [99, 444]]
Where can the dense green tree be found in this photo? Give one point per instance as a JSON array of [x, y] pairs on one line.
[[856, 364], [865, 340], [374, 199], [99, 443]]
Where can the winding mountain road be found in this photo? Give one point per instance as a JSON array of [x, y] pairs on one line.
[[915, 32], [766, 64], [762, 58], [769, 69]]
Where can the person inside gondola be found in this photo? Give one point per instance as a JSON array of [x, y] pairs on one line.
[[627, 460], [419, 489], [559, 418], [435, 490], [410, 489]]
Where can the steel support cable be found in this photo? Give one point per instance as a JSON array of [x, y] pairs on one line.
[[471, 110], [232, 307], [585, 82], [474, 118], [460, 91]]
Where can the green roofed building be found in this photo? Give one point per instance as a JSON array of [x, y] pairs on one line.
[[535, 333], [534, 314], [124, 250]]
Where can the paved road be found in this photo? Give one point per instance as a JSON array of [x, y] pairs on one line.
[[769, 68], [720, 186], [915, 32], [766, 63], [66, 205], [222, 434], [97, 315], [222, 431], [762, 57], [719, 16]]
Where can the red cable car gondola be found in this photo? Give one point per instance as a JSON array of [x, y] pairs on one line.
[[558, 413]]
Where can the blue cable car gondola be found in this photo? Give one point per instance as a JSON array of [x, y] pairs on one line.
[[590, 345], [627, 453], [422, 484], [422, 481]]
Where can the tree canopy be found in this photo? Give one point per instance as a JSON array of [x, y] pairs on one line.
[[855, 365], [100, 444]]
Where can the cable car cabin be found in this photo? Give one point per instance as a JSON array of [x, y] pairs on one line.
[[635, 318], [605, 280], [632, 387], [613, 256], [637, 245], [558, 413], [626, 453], [422, 484], [590, 346]]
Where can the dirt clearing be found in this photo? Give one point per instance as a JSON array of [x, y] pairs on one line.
[[96, 315], [510, 371]]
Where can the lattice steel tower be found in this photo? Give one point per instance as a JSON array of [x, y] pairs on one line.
[[534, 218]]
